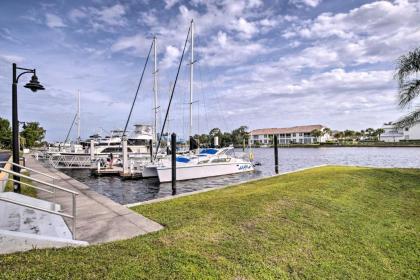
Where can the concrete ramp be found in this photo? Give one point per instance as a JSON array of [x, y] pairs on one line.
[[23, 228], [23, 219], [13, 241]]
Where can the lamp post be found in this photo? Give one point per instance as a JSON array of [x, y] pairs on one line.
[[33, 85]]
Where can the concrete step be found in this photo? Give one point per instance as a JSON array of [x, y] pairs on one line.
[[27, 220]]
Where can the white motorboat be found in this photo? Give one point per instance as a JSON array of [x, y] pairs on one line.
[[208, 163]]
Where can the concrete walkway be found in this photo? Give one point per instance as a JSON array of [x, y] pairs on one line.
[[99, 219]]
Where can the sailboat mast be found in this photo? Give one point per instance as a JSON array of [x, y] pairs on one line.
[[155, 89], [191, 77], [78, 116]]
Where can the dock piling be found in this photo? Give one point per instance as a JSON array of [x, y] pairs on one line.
[[173, 157], [125, 155], [92, 150], [276, 155], [151, 150]]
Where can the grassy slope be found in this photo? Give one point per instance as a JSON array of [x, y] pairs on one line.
[[330, 222]]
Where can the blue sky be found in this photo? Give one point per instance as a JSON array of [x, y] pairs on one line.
[[259, 63]]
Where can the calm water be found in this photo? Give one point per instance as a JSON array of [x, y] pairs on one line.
[[289, 159], [4, 156]]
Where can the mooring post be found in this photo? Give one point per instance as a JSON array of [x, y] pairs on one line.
[[151, 150], [173, 156], [92, 150], [125, 155], [276, 155]]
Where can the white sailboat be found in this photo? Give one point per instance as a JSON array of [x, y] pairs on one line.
[[208, 163], [198, 164]]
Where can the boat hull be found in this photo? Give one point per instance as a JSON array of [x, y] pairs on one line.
[[149, 172], [203, 171]]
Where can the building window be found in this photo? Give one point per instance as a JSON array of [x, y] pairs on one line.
[[265, 135], [300, 134], [294, 134], [287, 135]]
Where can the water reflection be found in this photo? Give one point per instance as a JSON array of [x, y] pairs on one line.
[[129, 191]]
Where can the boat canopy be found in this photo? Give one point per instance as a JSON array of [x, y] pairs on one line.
[[182, 159], [209, 151]]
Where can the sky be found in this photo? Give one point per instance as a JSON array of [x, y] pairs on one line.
[[257, 63]]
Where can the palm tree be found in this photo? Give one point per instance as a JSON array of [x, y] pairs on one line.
[[409, 87], [316, 133]]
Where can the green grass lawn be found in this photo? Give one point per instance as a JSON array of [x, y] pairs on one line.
[[26, 190], [324, 223]]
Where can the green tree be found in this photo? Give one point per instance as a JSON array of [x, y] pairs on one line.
[[408, 66], [5, 133], [316, 133], [339, 135], [369, 132], [379, 132], [349, 134], [239, 135], [33, 133], [327, 130]]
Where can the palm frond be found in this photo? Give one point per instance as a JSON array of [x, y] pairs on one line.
[[408, 91], [407, 65], [408, 120]]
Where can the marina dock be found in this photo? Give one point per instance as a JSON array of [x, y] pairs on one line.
[[99, 219]]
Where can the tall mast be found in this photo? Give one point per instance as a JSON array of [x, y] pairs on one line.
[[155, 88], [191, 77], [78, 116]]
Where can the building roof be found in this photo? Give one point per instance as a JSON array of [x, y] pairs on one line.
[[294, 129]]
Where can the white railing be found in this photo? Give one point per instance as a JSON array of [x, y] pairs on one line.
[[69, 161], [52, 186]]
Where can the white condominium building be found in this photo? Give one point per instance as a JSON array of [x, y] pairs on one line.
[[393, 134], [288, 135]]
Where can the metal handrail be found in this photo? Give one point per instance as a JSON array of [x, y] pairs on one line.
[[73, 193], [35, 207], [38, 181], [73, 217], [30, 169], [29, 185]]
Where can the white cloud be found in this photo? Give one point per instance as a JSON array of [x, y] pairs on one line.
[[171, 57], [310, 3], [113, 15], [223, 50], [170, 3], [368, 34], [246, 28], [9, 58], [54, 21], [137, 45], [77, 14]]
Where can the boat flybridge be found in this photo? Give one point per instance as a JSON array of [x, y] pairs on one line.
[[207, 163]]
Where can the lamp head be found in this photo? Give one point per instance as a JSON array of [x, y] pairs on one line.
[[34, 84]]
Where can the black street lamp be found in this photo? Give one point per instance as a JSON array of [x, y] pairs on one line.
[[33, 85]]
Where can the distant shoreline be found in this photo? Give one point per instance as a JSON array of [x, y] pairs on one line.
[[342, 146]]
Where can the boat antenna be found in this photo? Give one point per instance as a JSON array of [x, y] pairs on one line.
[[137, 91], [172, 93]]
